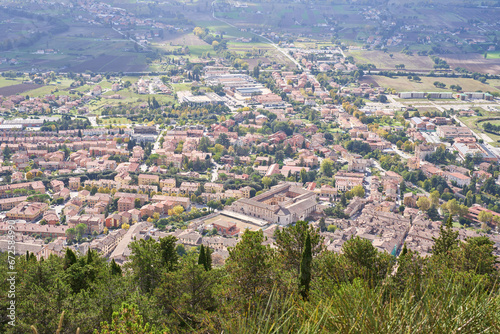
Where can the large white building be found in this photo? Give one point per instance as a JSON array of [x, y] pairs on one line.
[[282, 204]]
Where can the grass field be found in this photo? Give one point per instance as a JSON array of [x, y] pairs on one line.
[[4, 82], [493, 55], [402, 84], [473, 124], [384, 61]]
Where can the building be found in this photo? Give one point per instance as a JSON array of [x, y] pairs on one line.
[[450, 132], [74, 183], [9, 203], [28, 211], [473, 149], [145, 130], [226, 229], [146, 179], [283, 204], [345, 181]]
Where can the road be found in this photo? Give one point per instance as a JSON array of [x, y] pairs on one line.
[[267, 39], [400, 153], [129, 38], [215, 174], [494, 150]]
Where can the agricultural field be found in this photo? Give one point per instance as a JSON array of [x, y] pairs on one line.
[[81, 48], [474, 62], [402, 84], [384, 61], [493, 55], [9, 81], [18, 89]]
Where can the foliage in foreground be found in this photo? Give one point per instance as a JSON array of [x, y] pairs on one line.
[[296, 288]]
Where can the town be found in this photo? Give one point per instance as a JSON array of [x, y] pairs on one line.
[[243, 167]]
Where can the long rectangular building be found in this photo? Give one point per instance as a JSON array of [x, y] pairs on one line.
[[284, 204]]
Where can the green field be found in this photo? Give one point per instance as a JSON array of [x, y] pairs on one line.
[[473, 124], [402, 84], [493, 55], [5, 82]]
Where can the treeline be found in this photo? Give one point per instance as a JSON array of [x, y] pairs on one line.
[[488, 127], [295, 287]]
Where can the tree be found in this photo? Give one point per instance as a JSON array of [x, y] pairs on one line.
[[201, 257], [223, 140], [327, 167], [69, 258], [290, 243], [423, 203], [149, 258], [485, 216], [178, 209], [29, 175], [305, 269], [127, 320], [71, 233], [358, 191], [266, 181], [80, 230], [137, 203], [447, 240], [249, 267], [434, 198], [115, 268]]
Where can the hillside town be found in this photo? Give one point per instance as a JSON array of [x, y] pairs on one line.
[[278, 149]]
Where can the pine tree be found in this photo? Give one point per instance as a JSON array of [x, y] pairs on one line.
[[305, 269], [447, 240]]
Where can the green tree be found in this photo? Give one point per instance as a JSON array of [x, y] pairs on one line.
[[115, 268], [447, 240], [327, 167], [69, 258], [201, 257], [127, 320], [290, 243], [250, 267], [266, 181], [305, 269], [423, 203]]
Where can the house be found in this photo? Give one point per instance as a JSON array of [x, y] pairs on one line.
[[113, 220], [226, 229], [28, 211], [146, 179]]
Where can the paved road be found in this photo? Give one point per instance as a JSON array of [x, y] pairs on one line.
[[267, 39], [494, 150]]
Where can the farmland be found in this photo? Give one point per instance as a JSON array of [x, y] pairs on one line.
[[474, 62], [384, 60], [17, 89], [402, 84]]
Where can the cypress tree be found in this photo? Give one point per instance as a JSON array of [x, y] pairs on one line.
[[208, 259], [201, 259], [305, 269], [69, 258]]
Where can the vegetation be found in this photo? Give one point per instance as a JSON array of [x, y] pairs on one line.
[[261, 289]]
